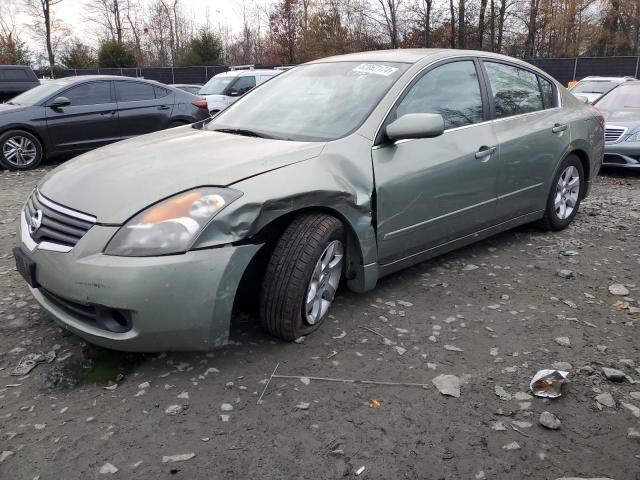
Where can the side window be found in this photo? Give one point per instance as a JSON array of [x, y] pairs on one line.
[[451, 90], [161, 92], [94, 93], [134, 91], [244, 84], [548, 97], [515, 90]]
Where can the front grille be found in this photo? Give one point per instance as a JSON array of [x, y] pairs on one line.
[[59, 224], [613, 134], [98, 316]]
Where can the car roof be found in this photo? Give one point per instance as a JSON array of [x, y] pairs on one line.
[[239, 73], [84, 78], [608, 79]]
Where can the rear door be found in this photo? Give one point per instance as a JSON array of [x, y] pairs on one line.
[[434, 190], [533, 133], [90, 121], [142, 107]]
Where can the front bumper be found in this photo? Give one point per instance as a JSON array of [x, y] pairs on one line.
[[622, 154], [174, 302]]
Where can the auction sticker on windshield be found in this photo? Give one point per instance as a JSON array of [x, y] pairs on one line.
[[375, 69]]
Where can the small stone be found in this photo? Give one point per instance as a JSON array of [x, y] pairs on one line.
[[618, 289], [401, 351], [564, 366], [303, 405], [305, 380], [498, 426], [566, 274], [144, 385], [563, 341], [494, 352], [453, 348], [299, 340], [183, 396], [512, 446], [174, 409], [635, 411], [178, 458], [225, 418], [635, 395], [549, 420], [5, 454], [447, 385], [633, 433], [90, 419], [613, 374], [522, 396], [606, 399], [226, 407], [627, 362], [108, 468], [502, 393], [469, 267]]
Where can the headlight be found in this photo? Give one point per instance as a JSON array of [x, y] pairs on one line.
[[635, 137], [172, 225]]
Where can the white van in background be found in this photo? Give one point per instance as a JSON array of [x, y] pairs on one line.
[[225, 88]]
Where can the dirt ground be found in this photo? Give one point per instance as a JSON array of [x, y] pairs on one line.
[[491, 314]]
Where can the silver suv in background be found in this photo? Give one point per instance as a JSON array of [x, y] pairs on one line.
[[592, 88], [225, 88]]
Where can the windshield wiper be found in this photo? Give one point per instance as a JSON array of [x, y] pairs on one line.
[[243, 131]]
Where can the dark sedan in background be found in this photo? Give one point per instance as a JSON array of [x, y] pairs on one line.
[[76, 114], [621, 110]]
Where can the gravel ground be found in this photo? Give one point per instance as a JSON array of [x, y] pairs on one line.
[[491, 315]]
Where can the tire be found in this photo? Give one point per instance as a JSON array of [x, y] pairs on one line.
[[563, 196], [178, 123], [294, 268], [20, 150]]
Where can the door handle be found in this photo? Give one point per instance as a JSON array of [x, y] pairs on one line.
[[112, 112], [485, 152], [163, 107], [557, 128]]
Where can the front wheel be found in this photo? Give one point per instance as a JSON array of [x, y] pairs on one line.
[[20, 150], [565, 195], [302, 276]]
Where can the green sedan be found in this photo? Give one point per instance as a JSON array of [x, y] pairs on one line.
[[341, 170]]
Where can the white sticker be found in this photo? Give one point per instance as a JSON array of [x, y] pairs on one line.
[[375, 69]]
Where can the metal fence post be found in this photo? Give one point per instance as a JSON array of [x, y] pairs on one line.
[[206, 74], [173, 76], [637, 64], [575, 67]]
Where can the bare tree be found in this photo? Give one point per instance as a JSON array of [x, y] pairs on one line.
[[40, 11], [109, 16], [390, 9]]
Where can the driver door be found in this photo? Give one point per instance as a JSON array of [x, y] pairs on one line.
[[432, 191]]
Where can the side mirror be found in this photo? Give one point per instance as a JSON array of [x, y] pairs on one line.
[[582, 98], [60, 102], [416, 125], [234, 93]]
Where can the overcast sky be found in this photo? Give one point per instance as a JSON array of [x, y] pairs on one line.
[[72, 13]]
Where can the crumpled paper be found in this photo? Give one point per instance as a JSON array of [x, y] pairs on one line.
[[548, 383]]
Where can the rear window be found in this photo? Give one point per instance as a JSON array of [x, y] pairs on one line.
[[548, 97], [134, 91], [161, 92], [14, 75]]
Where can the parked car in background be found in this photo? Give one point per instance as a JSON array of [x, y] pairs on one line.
[[621, 110], [15, 79], [349, 167], [187, 87], [225, 88], [76, 114], [592, 88]]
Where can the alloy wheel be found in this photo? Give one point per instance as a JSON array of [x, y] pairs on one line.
[[324, 282], [19, 151], [567, 192]]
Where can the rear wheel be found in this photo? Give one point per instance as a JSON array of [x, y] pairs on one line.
[[302, 276], [178, 123], [20, 150], [565, 195]]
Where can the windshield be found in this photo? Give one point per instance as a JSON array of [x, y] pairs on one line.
[[594, 86], [625, 96], [216, 85], [316, 102], [37, 94]]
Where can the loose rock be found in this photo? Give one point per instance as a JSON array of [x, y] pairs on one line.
[[447, 385], [549, 420]]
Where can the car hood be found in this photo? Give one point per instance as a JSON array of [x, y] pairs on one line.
[[629, 117], [115, 182], [5, 108]]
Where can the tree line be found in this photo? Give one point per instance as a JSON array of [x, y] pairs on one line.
[[129, 33]]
